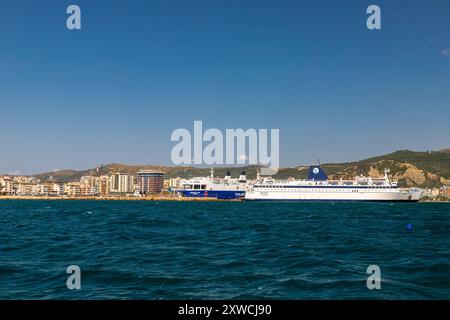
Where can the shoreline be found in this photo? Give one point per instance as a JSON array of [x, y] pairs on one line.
[[149, 198]]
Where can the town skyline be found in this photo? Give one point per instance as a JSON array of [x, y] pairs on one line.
[[109, 183]]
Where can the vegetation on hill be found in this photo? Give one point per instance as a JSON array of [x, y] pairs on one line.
[[424, 169]]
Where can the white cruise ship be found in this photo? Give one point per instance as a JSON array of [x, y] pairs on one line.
[[318, 188]]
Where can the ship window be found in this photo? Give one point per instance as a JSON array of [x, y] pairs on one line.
[[203, 186], [196, 186]]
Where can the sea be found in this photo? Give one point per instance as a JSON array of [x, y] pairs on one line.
[[223, 250]]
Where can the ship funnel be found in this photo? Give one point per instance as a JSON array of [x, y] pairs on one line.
[[386, 173], [316, 173], [242, 177]]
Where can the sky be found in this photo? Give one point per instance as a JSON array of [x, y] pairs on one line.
[[137, 70]]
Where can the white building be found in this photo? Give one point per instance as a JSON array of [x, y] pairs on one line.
[[121, 183], [29, 189], [6, 185], [174, 183], [90, 181]]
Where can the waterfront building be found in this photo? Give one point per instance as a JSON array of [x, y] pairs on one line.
[[104, 185], [29, 189], [90, 181], [51, 188], [174, 183], [435, 192], [150, 181], [86, 190], [58, 189], [445, 191], [121, 183], [6, 185], [73, 189]]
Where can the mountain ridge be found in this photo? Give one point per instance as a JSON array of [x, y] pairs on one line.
[[410, 168]]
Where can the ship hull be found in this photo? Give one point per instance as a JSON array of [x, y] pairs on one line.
[[322, 195], [218, 194], [327, 200]]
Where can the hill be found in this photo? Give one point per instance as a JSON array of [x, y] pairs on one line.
[[411, 168]]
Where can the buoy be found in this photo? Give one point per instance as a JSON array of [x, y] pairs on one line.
[[409, 226]]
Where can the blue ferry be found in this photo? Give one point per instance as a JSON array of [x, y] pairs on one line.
[[209, 187]]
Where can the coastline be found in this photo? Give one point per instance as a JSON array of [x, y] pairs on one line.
[[149, 198]]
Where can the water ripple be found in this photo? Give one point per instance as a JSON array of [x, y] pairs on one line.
[[229, 250]]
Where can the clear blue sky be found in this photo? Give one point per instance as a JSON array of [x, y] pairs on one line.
[[114, 91]]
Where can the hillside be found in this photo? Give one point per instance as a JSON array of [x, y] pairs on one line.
[[424, 169]]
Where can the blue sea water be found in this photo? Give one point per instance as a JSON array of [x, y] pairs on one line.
[[223, 250]]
